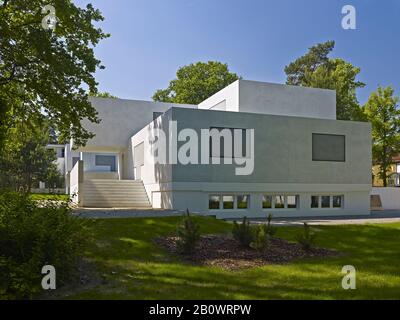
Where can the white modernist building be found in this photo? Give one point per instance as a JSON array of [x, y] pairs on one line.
[[293, 157]]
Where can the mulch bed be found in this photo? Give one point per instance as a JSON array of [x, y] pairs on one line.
[[225, 252]]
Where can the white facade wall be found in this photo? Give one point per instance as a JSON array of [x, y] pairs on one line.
[[274, 99], [283, 166], [390, 197]]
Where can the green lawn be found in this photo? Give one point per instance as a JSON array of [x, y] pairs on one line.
[[134, 268], [45, 196]]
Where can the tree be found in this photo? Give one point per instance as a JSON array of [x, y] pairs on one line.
[[24, 158], [382, 111], [196, 82], [45, 71], [103, 95], [315, 69]]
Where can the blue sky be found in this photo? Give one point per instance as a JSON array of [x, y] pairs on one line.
[[150, 39]]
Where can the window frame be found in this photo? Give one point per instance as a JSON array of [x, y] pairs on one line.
[[328, 134], [285, 201], [331, 207], [235, 201]]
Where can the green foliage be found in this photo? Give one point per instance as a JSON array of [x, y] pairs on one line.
[[46, 71], [24, 158], [260, 238], [306, 238], [316, 56], [269, 229], [383, 113], [315, 69], [196, 82], [103, 95], [53, 178], [243, 232], [188, 234], [31, 237]]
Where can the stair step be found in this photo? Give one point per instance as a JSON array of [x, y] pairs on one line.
[[106, 193]]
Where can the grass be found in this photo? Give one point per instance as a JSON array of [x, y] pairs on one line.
[[49, 196], [133, 267]]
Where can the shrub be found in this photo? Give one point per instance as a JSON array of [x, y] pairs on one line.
[[261, 238], [269, 229], [31, 237], [306, 238], [188, 234], [242, 232]]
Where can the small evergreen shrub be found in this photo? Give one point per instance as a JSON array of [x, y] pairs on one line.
[[242, 232], [306, 238], [261, 238], [188, 234], [269, 229], [32, 237]]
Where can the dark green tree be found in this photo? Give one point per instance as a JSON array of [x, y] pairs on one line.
[[46, 70], [196, 82], [383, 112], [24, 159], [315, 69]]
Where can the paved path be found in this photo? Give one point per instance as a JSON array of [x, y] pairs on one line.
[[125, 213], [386, 216]]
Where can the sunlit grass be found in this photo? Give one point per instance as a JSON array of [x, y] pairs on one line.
[[45, 196], [134, 267]]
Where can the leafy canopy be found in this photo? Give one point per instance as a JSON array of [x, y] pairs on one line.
[[48, 71], [24, 158], [196, 82], [383, 112], [315, 69]]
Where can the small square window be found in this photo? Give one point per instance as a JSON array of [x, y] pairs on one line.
[[213, 202], [228, 202], [325, 201], [314, 201], [279, 202], [267, 202], [292, 202], [337, 201], [243, 201]]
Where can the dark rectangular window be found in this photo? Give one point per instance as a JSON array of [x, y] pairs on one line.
[[267, 202], [279, 202], [228, 202], [213, 202], [314, 201], [243, 201], [328, 147], [337, 201], [103, 160], [292, 202], [325, 201], [241, 143]]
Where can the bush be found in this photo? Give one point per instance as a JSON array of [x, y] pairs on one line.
[[242, 232], [31, 237], [269, 229], [188, 233], [261, 238], [306, 238]]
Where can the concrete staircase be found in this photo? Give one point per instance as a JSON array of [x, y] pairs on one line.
[[107, 193]]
